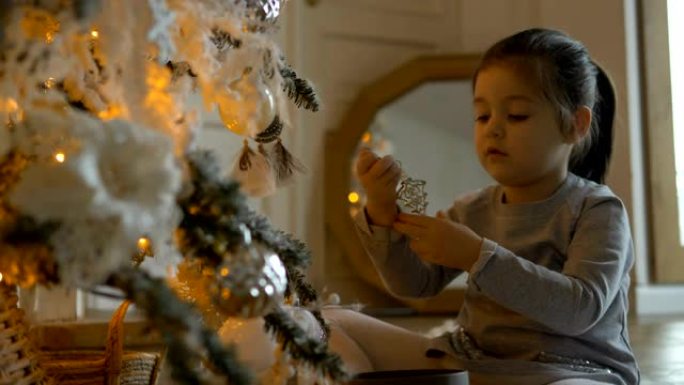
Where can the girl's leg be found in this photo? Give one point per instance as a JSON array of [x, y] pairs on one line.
[[355, 359], [366, 343]]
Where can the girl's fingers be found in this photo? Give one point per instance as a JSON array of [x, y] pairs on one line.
[[427, 257], [394, 173], [365, 161], [380, 167], [412, 231], [419, 247], [414, 219], [423, 253], [394, 181]]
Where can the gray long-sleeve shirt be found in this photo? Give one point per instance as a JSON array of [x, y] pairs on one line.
[[552, 277]]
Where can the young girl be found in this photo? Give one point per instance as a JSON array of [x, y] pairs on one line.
[[548, 249]]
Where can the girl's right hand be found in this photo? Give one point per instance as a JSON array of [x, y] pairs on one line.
[[379, 177]]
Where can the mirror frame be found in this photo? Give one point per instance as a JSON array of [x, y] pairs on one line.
[[341, 145]]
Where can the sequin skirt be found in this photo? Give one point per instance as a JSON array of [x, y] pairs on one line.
[[461, 342]]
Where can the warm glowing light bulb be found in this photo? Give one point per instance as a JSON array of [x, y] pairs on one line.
[[94, 34], [60, 157], [143, 243], [12, 105], [50, 82], [0, 277], [353, 197], [367, 136], [224, 272]]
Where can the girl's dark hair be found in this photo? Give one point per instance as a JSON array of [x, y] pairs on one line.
[[569, 79]]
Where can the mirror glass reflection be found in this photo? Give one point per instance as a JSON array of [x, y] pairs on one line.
[[429, 131]]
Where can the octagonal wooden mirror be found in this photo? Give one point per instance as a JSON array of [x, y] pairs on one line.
[[421, 113]]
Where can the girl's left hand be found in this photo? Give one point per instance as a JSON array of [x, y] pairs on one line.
[[440, 240]]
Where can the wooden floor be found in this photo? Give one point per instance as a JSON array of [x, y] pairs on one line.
[[658, 344]]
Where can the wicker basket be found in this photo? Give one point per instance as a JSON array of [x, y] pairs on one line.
[[19, 364], [112, 366]]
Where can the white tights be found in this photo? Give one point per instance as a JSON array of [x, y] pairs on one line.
[[367, 344]]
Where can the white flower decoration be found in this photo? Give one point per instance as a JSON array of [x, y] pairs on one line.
[[106, 183]]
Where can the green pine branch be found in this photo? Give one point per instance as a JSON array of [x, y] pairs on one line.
[[212, 215], [187, 340], [304, 348]]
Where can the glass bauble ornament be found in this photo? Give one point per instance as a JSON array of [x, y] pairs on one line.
[[249, 281], [266, 10], [247, 107]]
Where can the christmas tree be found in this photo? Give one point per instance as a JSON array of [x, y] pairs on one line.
[[99, 169]]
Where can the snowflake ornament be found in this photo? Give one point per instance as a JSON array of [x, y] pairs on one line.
[[412, 195]]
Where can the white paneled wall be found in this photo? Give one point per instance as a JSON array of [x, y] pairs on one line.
[[343, 44]]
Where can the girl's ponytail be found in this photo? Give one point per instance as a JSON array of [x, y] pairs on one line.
[[593, 164]]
